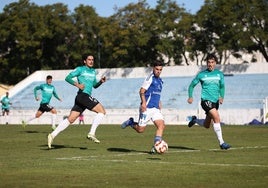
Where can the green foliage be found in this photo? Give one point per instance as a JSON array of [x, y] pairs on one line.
[[122, 160], [233, 25], [51, 37]]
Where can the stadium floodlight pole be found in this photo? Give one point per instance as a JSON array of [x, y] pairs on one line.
[[99, 52]]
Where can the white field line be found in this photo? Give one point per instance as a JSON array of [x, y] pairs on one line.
[[99, 158], [160, 162], [241, 148]]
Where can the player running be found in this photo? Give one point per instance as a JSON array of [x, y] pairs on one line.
[[47, 91], [6, 107], [86, 80], [212, 94], [150, 107]]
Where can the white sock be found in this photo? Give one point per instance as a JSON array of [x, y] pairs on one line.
[[6, 118], [217, 130], [32, 118], [63, 125], [53, 120], [95, 123]]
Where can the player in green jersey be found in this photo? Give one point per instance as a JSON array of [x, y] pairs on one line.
[[6, 107], [212, 94], [47, 91], [85, 80]]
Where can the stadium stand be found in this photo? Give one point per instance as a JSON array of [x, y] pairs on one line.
[[245, 90]]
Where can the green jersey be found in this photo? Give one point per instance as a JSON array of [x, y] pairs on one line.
[[212, 83], [5, 103], [86, 76], [47, 91]]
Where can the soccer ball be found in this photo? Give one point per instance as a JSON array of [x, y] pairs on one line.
[[161, 146]]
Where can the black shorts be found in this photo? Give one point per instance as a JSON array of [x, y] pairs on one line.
[[5, 110], [84, 101], [45, 107], [208, 105]]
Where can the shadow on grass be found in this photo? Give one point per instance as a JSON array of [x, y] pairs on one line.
[[33, 132], [124, 150], [181, 148], [62, 147]]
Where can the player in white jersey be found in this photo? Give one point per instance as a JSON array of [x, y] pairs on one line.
[[150, 107]]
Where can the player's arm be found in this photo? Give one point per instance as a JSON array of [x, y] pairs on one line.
[[194, 82], [143, 99], [71, 75], [35, 92], [222, 89], [56, 95], [97, 84]]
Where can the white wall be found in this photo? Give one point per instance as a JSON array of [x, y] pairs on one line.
[[117, 116]]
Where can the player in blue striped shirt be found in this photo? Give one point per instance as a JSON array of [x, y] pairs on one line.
[[150, 107]]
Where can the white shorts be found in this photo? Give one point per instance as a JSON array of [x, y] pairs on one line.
[[150, 114]]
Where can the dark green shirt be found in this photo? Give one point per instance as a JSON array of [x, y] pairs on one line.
[[212, 83]]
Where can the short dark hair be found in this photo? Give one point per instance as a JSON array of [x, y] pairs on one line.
[[212, 56], [49, 77], [157, 63], [84, 56]]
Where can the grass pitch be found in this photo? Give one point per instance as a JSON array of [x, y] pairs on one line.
[[122, 159]]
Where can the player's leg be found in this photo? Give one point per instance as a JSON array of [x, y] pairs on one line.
[[62, 126], [139, 127], [160, 126], [209, 108], [217, 128], [97, 107], [159, 123], [208, 121], [53, 118], [37, 115], [7, 116]]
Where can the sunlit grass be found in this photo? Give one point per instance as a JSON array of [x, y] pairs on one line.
[[122, 159]]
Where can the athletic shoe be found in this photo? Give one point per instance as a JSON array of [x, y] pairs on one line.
[[93, 138], [192, 122], [127, 123], [225, 146], [23, 123], [153, 151], [49, 140]]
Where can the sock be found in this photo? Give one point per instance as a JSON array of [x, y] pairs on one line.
[[63, 125], [32, 118], [157, 138], [200, 122], [95, 123], [6, 118], [217, 130], [53, 120]]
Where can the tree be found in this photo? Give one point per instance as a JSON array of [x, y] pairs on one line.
[[232, 26]]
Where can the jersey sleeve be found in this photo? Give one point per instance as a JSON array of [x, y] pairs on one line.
[[36, 89], [55, 93], [194, 82], [222, 86], [147, 82], [71, 75]]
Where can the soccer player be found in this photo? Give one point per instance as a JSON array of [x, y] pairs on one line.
[[6, 107], [150, 106], [212, 94], [86, 80], [47, 90]]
